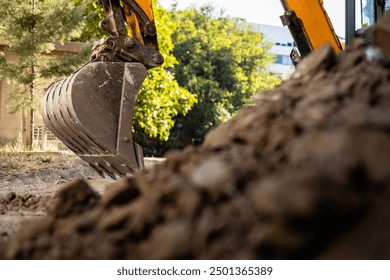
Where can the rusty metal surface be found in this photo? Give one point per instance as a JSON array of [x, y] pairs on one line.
[[126, 49], [91, 113]]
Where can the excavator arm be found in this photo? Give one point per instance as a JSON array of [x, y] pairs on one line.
[[309, 25], [124, 17], [91, 110], [139, 17]]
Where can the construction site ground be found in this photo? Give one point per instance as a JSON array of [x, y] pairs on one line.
[[30, 180]]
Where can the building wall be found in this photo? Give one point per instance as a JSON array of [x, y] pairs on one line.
[[282, 44], [11, 125]]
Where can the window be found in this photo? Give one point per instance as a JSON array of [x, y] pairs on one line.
[[283, 59], [367, 10]]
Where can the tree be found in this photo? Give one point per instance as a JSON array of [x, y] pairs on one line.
[[30, 28], [93, 14], [223, 61], [161, 99]]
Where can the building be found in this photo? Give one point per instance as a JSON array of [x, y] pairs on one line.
[[14, 126], [283, 43]]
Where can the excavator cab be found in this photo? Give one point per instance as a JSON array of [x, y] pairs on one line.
[[91, 111], [361, 15]]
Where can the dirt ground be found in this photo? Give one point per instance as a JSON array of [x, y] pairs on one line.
[[304, 174], [30, 181]]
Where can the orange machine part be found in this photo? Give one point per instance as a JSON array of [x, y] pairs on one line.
[[133, 21], [146, 6], [316, 21]]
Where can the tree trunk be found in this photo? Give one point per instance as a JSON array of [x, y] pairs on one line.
[[30, 129]]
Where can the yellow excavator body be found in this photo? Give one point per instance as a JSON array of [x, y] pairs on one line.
[[318, 27]]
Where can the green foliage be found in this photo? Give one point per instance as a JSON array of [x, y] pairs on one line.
[[222, 60], [66, 64], [161, 98], [30, 29], [93, 14]]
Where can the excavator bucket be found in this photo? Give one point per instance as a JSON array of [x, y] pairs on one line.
[[91, 113]]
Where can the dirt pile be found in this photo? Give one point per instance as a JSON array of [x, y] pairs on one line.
[[303, 174]]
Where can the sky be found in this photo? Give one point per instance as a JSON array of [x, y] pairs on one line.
[[263, 11]]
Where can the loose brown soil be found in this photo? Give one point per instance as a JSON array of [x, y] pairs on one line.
[[30, 181], [304, 174]]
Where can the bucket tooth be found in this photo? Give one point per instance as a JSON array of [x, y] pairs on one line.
[[97, 169], [91, 112], [102, 165]]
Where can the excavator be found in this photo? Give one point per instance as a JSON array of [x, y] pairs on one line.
[[91, 110]]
